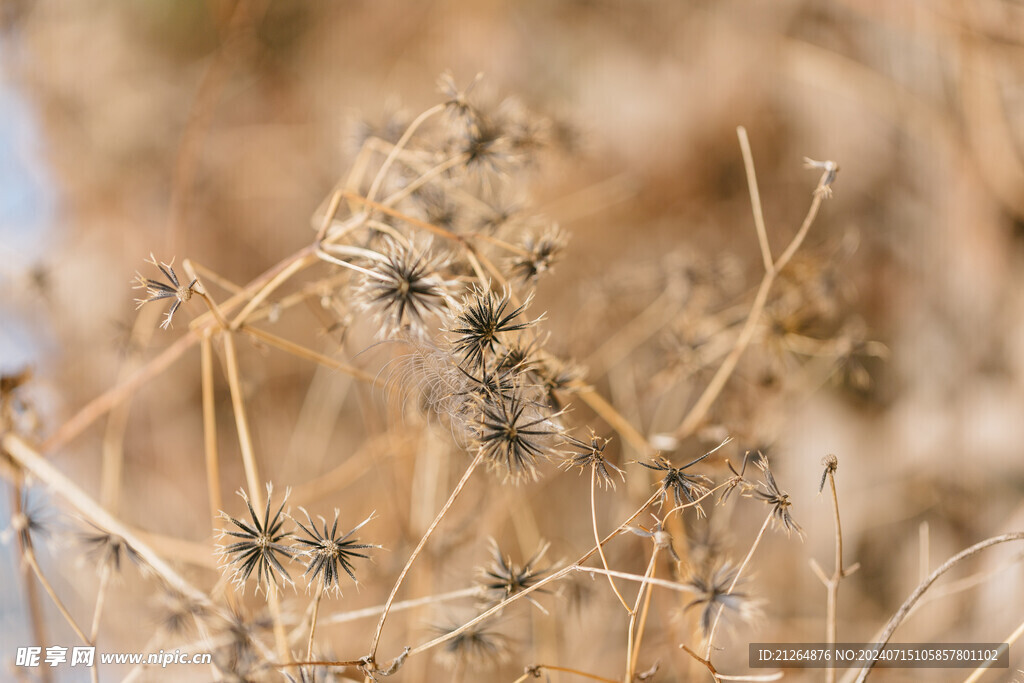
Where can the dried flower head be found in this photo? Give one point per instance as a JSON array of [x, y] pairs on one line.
[[478, 645], [484, 147], [239, 639], [539, 254], [557, 376], [259, 547], [481, 321], [30, 521], [682, 484], [505, 578], [107, 549], [157, 290], [512, 432], [768, 491], [457, 104], [178, 613], [714, 591], [327, 553], [738, 481], [831, 464], [591, 455], [404, 290]]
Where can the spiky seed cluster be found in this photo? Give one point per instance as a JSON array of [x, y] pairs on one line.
[[713, 591], [30, 522], [504, 578], [239, 635], [540, 253], [179, 613], [591, 455], [326, 553], [479, 644], [768, 491], [682, 484], [738, 481], [460, 110], [157, 290], [512, 433], [260, 547], [831, 464], [482, 321], [107, 549], [405, 291]]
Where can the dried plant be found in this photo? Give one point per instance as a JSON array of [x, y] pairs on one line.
[[427, 259]]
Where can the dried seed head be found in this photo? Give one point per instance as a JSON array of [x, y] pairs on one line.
[[326, 553], [479, 645], [504, 579], [481, 323], [108, 549], [714, 591], [157, 290], [768, 491], [512, 432], [584, 455], [831, 464], [259, 547], [683, 485], [540, 253], [405, 291]]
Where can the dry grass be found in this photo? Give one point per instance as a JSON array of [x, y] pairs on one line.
[[418, 332]]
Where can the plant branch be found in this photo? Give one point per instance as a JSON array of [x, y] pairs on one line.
[[904, 609], [419, 547]]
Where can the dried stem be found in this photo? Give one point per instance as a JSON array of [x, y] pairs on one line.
[[32, 461], [1008, 640], [121, 392], [832, 582], [242, 422], [401, 606], [633, 644], [212, 456], [534, 672], [597, 540], [35, 607], [527, 591], [735, 580], [252, 475], [313, 619], [102, 404], [723, 677], [399, 146], [29, 556], [613, 417], [576, 566], [755, 198], [904, 609], [101, 595], [302, 260], [308, 354], [419, 547], [714, 388]]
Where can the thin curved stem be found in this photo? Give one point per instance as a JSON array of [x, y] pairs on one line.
[[905, 608], [597, 540], [735, 580], [633, 642], [415, 553], [714, 388]]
